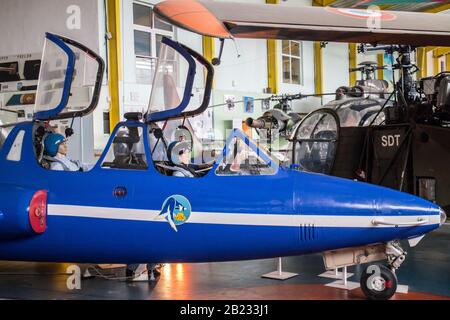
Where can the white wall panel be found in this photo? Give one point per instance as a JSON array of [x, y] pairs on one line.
[[23, 23], [335, 68]]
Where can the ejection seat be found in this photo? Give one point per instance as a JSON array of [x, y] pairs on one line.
[[40, 132], [125, 147]]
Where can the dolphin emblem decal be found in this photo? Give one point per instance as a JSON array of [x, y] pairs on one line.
[[176, 210]]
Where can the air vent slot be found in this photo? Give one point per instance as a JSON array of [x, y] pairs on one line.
[[307, 232]]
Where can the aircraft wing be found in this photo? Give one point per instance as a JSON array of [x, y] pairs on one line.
[[243, 20]]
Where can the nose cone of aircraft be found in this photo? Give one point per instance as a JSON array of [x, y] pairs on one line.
[[409, 209], [387, 207]]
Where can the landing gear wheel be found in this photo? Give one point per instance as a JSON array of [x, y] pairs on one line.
[[378, 282]]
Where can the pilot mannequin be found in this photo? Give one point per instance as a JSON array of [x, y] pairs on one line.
[[180, 154], [55, 151]]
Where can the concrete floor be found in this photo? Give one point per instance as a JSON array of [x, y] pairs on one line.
[[426, 271]]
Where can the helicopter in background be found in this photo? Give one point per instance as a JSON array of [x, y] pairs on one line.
[[371, 135], [277, 126], [279, 120]]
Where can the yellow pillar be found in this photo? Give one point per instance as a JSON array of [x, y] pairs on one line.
[[272, 65], [425, 63], [352, 57], [318, 67], [208, 51], [380, 60], [208, 48], [447, 62], [421, 62], [114, 60], [272, 60]]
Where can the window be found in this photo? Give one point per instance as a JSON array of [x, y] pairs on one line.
[[291, 55], [106, 123], [15, 153], [442, 65], [148, 33], [127, 150]]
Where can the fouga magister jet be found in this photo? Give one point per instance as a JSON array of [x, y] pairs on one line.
[[143, 202]]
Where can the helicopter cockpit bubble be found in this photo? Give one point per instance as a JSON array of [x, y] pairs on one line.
[[358, 112], [315, 141]]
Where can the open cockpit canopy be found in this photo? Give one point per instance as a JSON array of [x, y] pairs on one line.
[[69, 81], [226, 20], [182, 83]]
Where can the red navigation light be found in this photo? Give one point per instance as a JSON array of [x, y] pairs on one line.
[[38, 211]]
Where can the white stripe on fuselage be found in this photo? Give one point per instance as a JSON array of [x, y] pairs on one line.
[[254, 219]]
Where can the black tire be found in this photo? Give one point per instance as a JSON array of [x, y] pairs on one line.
[[378, 282]]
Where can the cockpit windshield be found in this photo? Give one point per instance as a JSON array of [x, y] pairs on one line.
[[242, 156], [4, 129]]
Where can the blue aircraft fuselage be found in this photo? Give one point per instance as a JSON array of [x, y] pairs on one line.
[[231, 217]]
